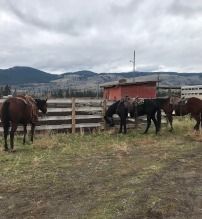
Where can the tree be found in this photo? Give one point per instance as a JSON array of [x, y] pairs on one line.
[[7, 90]]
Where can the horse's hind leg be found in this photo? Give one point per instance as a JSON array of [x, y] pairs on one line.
[[124, 125], [12, 133], [121, 125], [32, 132], [25, 133], [170, 120], [148, 123], [156, 124], [197, 118], [6, 130]]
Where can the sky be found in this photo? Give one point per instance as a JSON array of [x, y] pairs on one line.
[[60, 36]]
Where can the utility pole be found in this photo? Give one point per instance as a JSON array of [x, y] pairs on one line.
[[133, 61], [97, 90]]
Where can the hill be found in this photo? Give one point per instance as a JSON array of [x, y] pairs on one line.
[[23, 75], [88, 80]]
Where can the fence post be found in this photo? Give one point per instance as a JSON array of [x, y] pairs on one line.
[[104, 108], [73, 115]]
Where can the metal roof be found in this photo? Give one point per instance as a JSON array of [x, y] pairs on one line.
[[118, 83]]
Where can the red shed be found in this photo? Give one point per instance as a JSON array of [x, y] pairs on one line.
[[117, 90]]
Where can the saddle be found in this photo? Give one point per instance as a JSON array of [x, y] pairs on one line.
[[138, 101]]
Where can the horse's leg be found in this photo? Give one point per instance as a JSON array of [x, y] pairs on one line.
[[155, 123], [170, 119], [25, 133], [121, 123], [32, 132], [124, 121], [197, 118], [124, 125], [120, 128], [6, 130], [12, 133], [148, 123]]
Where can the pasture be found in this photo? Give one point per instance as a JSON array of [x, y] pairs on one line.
[[104, 175]]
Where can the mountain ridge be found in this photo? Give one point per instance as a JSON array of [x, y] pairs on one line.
[[21, 75]]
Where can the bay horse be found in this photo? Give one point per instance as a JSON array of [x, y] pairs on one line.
[[168, 105], [192, 106], [122, 108], [150, 108], [182, 107], [20, 110]]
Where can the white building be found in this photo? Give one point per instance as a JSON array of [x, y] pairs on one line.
[[191, 91]]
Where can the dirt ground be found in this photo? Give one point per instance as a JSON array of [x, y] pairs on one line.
[[131, 176]]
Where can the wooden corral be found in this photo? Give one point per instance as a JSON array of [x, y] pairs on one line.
[[72, 115]]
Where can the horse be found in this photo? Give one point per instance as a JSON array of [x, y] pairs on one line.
[[122, 108], [193, 106], [168, 105], [20, 110], [150, 108]]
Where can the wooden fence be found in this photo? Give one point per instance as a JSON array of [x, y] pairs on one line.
[[72, 115]]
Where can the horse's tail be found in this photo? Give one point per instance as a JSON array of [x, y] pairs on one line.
[[201, 118], [5, 118], [158, 118]]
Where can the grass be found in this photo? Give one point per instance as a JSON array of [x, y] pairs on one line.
[[104, 175]]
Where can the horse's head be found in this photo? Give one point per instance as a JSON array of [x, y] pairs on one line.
[[41, 105], [181, 108], [109, 120]]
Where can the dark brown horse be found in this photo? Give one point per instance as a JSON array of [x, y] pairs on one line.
[[182, 107], [191, 106], [20, 110]]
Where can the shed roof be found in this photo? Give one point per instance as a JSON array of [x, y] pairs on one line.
[[126, 83], [170, 87]]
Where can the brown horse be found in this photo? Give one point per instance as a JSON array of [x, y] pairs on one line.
[[191, 106], [20, 110], [168, 105]]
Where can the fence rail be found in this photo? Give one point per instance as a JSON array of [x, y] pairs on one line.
[[71, 114]]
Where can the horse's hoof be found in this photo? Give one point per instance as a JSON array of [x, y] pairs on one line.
[[6, 149], [12, 150]]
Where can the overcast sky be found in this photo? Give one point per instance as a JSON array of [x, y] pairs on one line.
[[100, 35]]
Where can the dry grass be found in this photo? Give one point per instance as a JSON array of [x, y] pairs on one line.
[[105, 175]]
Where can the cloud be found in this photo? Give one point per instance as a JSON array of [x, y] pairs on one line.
[[101, 35]]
